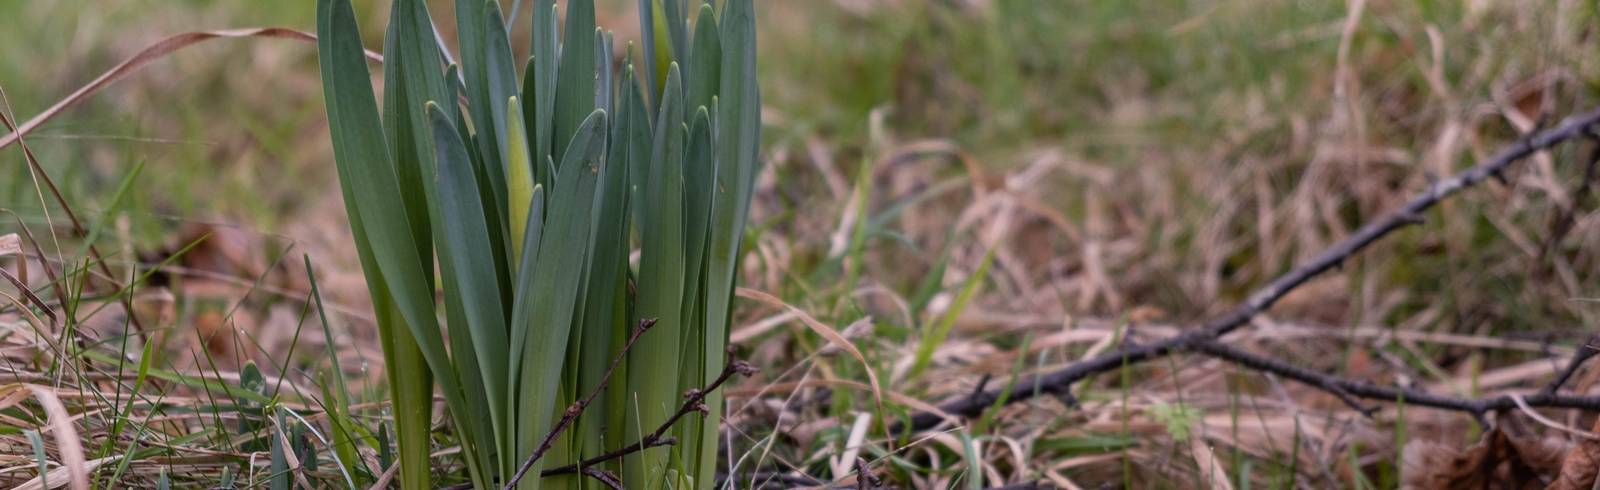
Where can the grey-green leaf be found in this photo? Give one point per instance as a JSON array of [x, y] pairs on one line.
[[465, 256], [549, 300]]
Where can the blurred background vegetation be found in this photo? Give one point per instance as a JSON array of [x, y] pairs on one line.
[[1144, 162]]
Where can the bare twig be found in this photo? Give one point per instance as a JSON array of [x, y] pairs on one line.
[[577, 408], [1331, 384], [1347, 388], [1562, 223], [1060, 382], [694, 402], [1587, 350], [864, 478], [606, 478]]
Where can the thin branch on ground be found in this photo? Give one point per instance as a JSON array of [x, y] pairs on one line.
[[1334, 385], [1566, 217], [1346, 388], [1060, 382], [577, 408], [864, 478], [694, 402], [1587, 350]]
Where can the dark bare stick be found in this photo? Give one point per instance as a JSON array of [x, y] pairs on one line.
[[577, 408], [1330, 384], [606, 478], [1345, 387], [695, 402], [864, 478], [1587, 350], [1060, 382], [1562, 223]]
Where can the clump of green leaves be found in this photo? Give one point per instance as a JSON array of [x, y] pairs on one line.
[[516, 203]]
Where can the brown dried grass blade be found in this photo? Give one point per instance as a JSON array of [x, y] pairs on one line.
[[67, 443], [833, 336], [150, 54]]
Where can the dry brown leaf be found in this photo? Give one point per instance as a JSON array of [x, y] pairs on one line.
[[1499, 460], [1582, 464]]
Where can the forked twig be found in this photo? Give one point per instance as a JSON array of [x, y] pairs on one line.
[[1587, 350], [694, 402], [577, 408], [1348, 389], [1060, 382]]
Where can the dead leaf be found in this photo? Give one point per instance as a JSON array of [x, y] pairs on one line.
[[1581, 465], [1499, 460]]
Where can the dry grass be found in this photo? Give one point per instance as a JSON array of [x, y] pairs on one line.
[[1133, 172]]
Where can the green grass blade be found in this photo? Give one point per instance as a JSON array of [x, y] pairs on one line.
[[335, 390], [278, 474], [39, 457], [935, 336], [105, 218]]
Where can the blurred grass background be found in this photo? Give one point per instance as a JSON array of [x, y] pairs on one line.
[[1143, 162]]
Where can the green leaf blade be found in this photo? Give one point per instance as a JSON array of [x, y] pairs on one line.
[[653, 371], [550, 296]]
